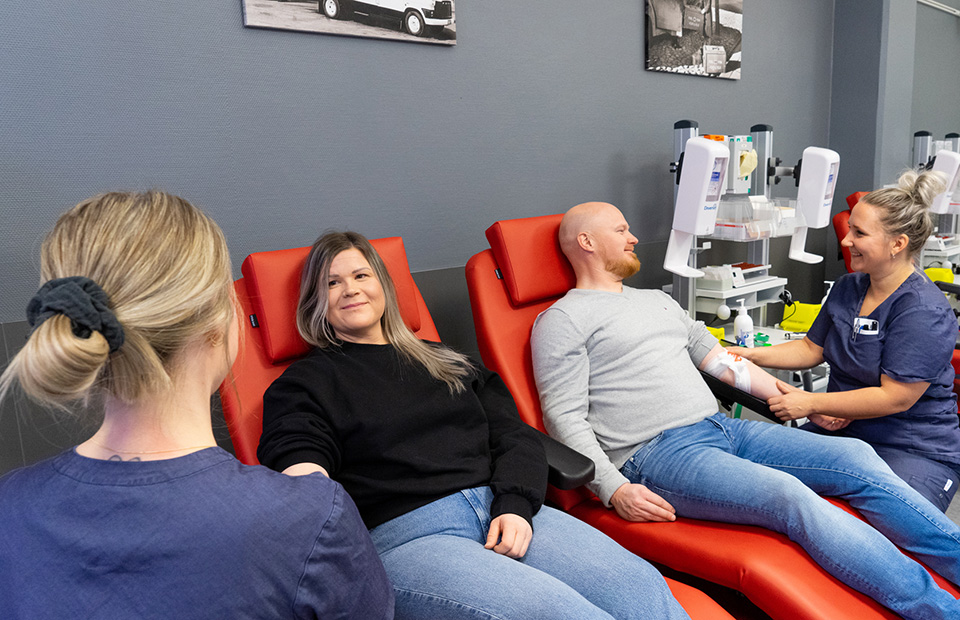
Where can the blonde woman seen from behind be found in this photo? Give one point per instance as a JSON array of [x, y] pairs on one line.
[[148, 518]]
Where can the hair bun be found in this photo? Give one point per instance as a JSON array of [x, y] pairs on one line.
[[926, 186], [60, 367]]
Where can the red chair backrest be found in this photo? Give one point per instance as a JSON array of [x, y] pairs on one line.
[[268, 294], [841, 225], [955, 362], [522, 274]]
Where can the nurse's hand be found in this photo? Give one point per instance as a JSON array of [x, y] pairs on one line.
[[509, 535], [828, 422], [744, 352], [792, 403]]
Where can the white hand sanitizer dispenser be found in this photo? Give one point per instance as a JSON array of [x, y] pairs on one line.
[[948, 163], [743, 326], [818, 179], [701, 184]]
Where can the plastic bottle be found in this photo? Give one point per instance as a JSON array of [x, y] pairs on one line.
[[743, 326]]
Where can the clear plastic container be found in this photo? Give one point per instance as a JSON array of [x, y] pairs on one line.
[[742, 219]]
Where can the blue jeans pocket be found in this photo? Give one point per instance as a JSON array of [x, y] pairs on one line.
[[634, 466]]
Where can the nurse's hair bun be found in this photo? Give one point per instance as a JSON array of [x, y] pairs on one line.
[[924, 187], [905, 209]]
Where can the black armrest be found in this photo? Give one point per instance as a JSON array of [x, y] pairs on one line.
[[949, 287], [568, 469], [727, 395]]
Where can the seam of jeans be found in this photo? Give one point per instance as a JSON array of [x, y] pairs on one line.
[[878, 486], [864, 586], [723, 430], [479, 507], [447, 601]]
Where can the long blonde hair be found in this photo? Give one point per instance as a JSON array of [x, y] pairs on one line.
[[165, 268], [442, 363], [905, 209]]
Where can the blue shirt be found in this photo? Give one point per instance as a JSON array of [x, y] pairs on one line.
[[200, 536], [912, 341]]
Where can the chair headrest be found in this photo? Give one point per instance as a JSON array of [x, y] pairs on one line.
[[273, 282], [854, 198], [531, 263]]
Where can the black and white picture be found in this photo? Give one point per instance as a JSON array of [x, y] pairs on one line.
[[421, 21], [695, 37]]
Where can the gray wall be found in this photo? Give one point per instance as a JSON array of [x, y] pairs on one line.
[[892, 61], [855, 90], [280, 135], [895, 99], [858, 45], [936, 80]]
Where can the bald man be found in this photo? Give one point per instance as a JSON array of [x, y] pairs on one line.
[[617, 370]]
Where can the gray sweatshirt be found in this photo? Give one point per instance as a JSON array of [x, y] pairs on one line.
[[616, 369]]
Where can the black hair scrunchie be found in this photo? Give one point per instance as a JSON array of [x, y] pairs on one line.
[[83, 302]]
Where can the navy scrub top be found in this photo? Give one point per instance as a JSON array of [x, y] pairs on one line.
[[914, 340]]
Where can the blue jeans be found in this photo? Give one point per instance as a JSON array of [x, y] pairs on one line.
[[756, 473], [934, 480], [440, 570]]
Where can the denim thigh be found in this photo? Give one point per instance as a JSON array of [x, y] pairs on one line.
[[436, 560]]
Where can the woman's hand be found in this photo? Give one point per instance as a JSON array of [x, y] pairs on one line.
[[305, 469], [792, 355], [792, 403], [744, 352], [513, 533], [828, 422]]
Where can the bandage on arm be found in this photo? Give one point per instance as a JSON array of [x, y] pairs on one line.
[[740, 373]]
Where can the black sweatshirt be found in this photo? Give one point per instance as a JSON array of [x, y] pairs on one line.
[[396, 438]]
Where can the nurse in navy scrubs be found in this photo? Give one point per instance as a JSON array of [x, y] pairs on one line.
[[888, 334]]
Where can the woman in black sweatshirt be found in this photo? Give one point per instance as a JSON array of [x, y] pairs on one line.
[[445, 474]]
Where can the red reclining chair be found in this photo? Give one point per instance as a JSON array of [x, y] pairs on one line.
[[841, 225], [522, 274], [268, 293]]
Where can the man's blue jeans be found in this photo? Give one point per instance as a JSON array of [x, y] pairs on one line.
[[932, 479], [435, 558], [756, 473]]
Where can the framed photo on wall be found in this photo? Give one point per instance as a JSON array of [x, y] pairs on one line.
[[694, 37], [419, 21]]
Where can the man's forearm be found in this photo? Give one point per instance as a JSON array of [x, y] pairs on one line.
[[739, 372]]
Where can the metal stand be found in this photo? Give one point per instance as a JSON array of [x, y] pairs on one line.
[[758, 252]]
